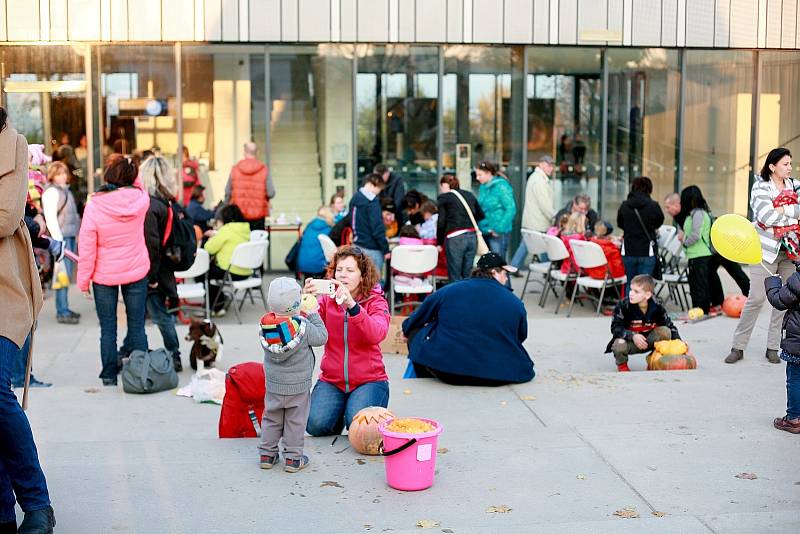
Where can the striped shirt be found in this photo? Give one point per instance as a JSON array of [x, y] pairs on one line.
[[764, 213]]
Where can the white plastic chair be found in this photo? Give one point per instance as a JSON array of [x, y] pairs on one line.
[[245, 256], [588, 255], [259, 235], [556, 252], [413, 260], [328, 246], [534, 243], [675, 275], [195, 290]]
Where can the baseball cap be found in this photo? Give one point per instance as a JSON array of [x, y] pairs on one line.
[[495, 261]]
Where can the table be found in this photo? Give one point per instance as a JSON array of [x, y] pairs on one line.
[[278, 227]]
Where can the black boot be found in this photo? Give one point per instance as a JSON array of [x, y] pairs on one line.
[[38, 522], [176, 362]]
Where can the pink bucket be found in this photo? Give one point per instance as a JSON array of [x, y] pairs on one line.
[[410, 458]]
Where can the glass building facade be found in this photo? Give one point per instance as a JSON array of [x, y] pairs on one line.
[[324, 115]]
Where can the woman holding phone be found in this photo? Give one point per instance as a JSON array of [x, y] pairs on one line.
[[357, 318]]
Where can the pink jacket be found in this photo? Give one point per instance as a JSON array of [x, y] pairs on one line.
[[111, 241]]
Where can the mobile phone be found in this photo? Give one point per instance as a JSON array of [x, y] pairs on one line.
[[324, 287]]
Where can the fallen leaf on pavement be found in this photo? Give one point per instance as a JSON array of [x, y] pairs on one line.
[[427, 523], [502, 509], [581, 477], [627, 513], [747, 476], [360, 461], [330, 484], [528, 397], [443, 450], [659, 514], [406, 392]]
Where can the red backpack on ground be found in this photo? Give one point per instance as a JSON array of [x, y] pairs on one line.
[[243, 405]]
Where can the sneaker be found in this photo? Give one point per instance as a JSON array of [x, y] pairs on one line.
[[623, 368], [67, 319], [268, 461], [789, 425], [109, 381], [772, 356], [74, 314], [38, 521], [734, 356], [34, 383], [176, 363], [293, 466], [219, 313]]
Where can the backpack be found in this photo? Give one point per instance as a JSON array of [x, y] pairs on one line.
[[243, 405], [148, 372], [180, 241], [337, 233]]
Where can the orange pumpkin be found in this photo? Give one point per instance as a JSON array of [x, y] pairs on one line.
[[670, 356], [363, 432], [732, 306]]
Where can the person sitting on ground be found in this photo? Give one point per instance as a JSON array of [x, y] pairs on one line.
[[471, 349], [235, 231], [338, 207], [430, 213], [288, 338], [639, 321], [787, 298], [602, 237], [574, 230], [581, 203], [352, 374], [195, 210], [311, 258]]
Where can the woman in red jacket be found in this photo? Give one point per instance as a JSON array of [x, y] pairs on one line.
[[353, 376]]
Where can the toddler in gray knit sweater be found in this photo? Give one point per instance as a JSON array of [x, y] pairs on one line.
[[287, 337]]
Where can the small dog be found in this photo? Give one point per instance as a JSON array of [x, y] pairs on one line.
[[207, 346]]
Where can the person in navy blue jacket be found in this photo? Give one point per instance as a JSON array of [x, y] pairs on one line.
[[472, 349], [369, 233], [311, 258]]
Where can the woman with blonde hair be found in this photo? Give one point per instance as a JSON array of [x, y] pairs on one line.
[[574, 229], [158, 178]]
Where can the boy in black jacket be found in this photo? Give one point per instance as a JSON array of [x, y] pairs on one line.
[[787, 297], [369, 233], [639, 321]]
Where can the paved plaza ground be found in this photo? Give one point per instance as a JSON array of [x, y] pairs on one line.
[[563, 452]]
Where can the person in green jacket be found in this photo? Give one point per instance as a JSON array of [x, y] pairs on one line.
[[235, 231], [695, 217], [496, 197]]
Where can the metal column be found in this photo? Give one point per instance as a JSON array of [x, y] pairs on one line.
[[603, 133], [679, 126], [439, 114], [179, 114]]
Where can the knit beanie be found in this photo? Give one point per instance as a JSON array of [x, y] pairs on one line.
[[283, 297]]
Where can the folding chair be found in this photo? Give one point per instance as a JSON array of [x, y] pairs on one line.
[[666, 233], [535, 244], [259, 235], [195, 290], [675, 275], [328, 246], [556, 252], [588, 255], [245, 256], [413, 260]]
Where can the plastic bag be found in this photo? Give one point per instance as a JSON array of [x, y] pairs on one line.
[[208, 385]]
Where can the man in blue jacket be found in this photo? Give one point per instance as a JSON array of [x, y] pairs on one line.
[[471, 332], [369, 233]]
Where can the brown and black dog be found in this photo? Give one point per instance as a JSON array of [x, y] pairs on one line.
[[207, 346]]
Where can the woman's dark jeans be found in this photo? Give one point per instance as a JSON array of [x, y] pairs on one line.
[[460, 251], [637, 265], [332, 409], [21, 476], [105, 302], [704, 283], [792, 390]]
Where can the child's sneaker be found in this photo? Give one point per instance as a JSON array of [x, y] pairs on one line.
[[623, 368], [268, 461], [293, 466]]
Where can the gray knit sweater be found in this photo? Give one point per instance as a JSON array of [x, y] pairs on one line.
[[289, 366]]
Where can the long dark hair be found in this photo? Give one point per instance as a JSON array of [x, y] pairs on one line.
[[691, 199], [774, 156], [3, 119]]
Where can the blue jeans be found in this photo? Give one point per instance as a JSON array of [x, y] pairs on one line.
[[637, 265], [62, 304], [377, 258], [460, 251], [518, 260], [20, 365], [105, 302], [792, 390], [21, 476], [499, 243], [332, 409], [165, 321]]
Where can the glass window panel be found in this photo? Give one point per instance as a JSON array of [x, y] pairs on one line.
[[779, 106]]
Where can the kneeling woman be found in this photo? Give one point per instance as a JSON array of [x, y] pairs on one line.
[[353, 376], [470, 333]]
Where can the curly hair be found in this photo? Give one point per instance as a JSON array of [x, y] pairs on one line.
[[369, 273]]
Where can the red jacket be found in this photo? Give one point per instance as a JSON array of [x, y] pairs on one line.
[[353, 354], [613, 257], [191, 178], [249, 189], [569, 263]]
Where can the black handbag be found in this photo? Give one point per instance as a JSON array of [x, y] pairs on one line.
[[293, 256]]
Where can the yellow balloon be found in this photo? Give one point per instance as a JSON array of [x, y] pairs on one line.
[[736, 239]]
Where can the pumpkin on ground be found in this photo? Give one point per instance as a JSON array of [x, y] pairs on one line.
[[363, 432], [732, 306], [670, 356]]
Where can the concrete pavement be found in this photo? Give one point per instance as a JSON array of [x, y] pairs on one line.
[[563, 452]]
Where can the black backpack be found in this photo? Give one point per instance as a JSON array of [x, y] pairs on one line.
[[180, 242]]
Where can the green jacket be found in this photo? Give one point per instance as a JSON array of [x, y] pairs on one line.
[[496, 198], [697, 229], [221, 245]]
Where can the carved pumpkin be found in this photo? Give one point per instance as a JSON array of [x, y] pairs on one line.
[[363, 432], [670, 356], [732, 306]]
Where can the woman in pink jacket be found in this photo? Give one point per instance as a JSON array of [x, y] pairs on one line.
[[352, 373], [113, 257]]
